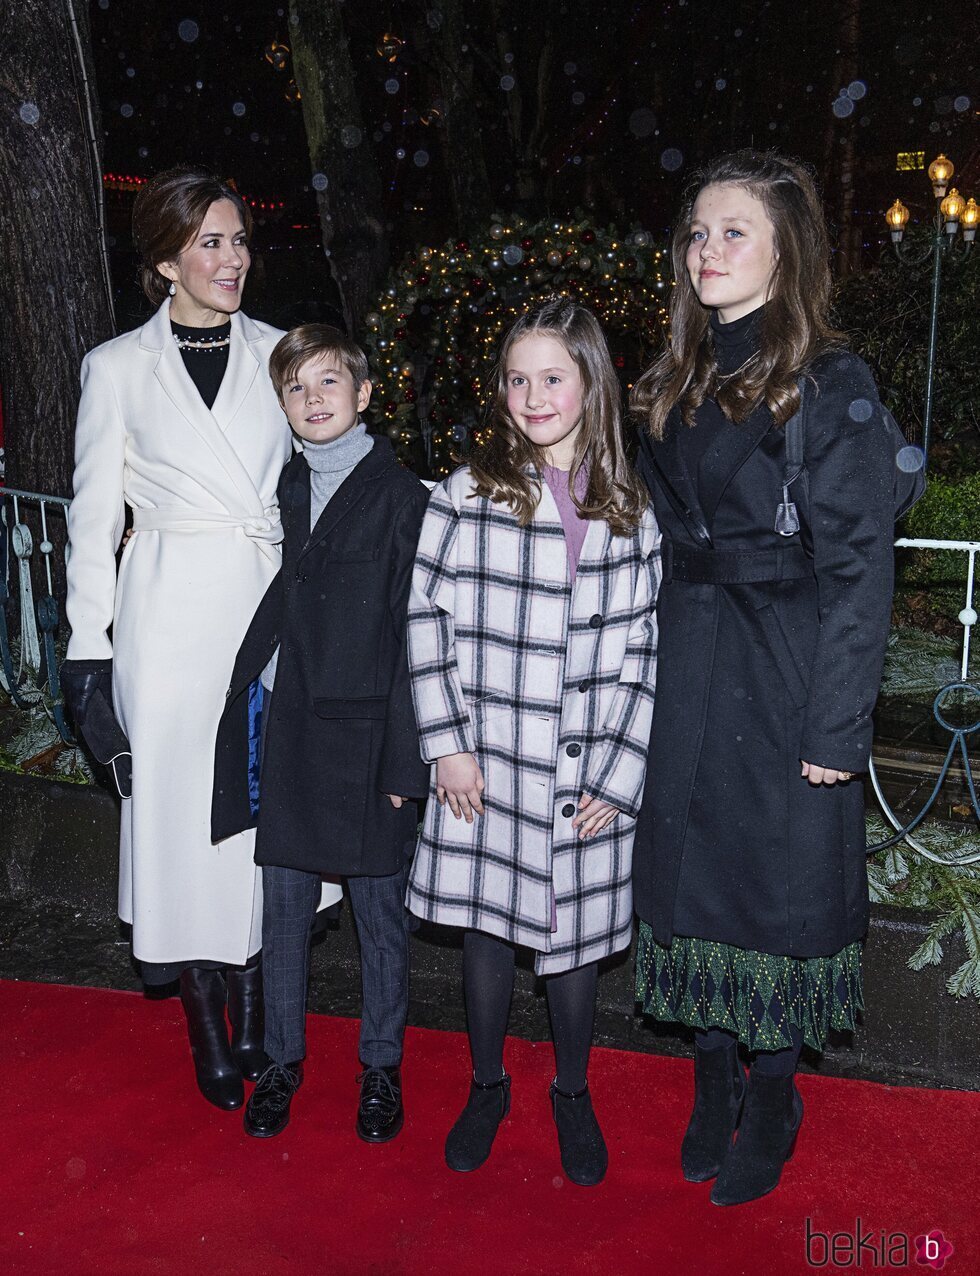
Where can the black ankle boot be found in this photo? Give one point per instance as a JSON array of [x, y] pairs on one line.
[[583, 1149], [202, 994], [247, 1019], [766, 1140], [719, 1089], [471, 1138]]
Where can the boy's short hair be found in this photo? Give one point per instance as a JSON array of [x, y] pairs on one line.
[[312, 341]]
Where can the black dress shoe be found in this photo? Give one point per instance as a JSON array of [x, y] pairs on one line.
[[202, 994], [584, 1157], [380, 1114], [267, 1113], [245, 1011], [766, 1139], [719, 1090], [469, 1142]]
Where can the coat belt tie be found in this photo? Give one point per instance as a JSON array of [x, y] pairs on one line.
[[265, 527], [734, 567]]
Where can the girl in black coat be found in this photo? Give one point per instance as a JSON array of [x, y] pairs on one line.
[[749, 862]]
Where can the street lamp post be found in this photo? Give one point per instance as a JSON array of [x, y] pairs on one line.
[[953, 213]]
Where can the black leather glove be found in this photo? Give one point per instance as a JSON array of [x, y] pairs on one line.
[[87, 688], [80, 679]]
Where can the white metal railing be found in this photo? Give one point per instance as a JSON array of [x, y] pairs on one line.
[[958, 741], [34, 682]]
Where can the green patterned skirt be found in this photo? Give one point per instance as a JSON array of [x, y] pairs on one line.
[[756, 996]]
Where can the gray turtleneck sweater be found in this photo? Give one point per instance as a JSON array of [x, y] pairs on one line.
[[330, 463]]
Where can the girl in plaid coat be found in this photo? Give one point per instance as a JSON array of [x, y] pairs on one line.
[[532, 645]]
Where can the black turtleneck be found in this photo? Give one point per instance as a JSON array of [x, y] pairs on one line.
[[734, 344], [206, 366]]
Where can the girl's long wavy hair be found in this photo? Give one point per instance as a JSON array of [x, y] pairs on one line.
[[795, 324], [507, 465]]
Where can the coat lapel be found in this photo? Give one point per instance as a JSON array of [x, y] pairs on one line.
[[156, 337], [726, 456], [349, 493], [667, 456], [295, 511], [241, 370]]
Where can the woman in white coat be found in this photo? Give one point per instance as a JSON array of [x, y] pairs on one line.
[[178, 420]]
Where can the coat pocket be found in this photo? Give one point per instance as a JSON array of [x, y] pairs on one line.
[[783, 657], [359, 707]]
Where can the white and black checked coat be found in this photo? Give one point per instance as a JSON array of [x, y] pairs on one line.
[[551, 687]]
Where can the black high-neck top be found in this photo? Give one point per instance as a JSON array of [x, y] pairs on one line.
[[734, 344], [206, 367], [737, 341]]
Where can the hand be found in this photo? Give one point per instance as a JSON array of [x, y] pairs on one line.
[[459, 781], [130, 533], [80, 679], [825, 775], [593, 816], [396, 802]]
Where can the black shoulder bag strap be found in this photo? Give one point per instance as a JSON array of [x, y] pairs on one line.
[[787, 519]]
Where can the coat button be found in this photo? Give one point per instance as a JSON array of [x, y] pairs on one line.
[[584, 686], [595, 621], [574, 750], [568, 810]]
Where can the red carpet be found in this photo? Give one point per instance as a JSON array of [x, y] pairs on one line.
[[112, 1163]]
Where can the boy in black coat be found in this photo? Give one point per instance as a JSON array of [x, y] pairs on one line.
[[341, 772]]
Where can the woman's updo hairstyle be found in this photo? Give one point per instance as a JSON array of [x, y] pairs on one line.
[[168, 213]]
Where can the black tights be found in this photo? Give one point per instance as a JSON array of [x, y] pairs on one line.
[[768, 1063], [488, 984]]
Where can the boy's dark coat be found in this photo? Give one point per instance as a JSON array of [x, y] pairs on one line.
[[341, 732]]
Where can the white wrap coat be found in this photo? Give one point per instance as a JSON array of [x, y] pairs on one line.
[[551, 686], [202, 485]]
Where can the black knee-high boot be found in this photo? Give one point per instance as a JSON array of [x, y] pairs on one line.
[[719, 1090], [245, 1011], [203, 995]]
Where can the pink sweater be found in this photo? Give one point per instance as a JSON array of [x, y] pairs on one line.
[[575, 526]]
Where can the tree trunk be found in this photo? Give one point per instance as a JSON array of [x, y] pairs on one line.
[[461, 126], [840, 139], [54, 301], [350, 203]]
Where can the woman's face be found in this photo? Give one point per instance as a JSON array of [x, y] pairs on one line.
[[731, 255], [209, 274]]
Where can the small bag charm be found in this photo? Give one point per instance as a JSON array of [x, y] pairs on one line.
[[787, 519]]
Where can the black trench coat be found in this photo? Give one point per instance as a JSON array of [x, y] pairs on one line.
[[341, 732], [732, 844]]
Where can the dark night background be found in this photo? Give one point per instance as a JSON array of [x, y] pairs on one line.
[[613, 103]]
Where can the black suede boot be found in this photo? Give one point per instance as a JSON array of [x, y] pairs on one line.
[[766, 1139], [245, 1011], [202, 994], [719, 1089], [583, 1149], [469, 1142]]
